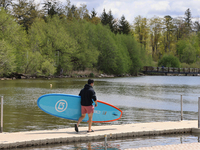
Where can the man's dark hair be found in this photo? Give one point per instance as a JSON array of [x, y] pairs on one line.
[[90, 81]]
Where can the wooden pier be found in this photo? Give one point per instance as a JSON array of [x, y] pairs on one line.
[[170, 70], [68, 135]]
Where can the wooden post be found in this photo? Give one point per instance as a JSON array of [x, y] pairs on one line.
[[199, 113], [1, 114], [105, 142]]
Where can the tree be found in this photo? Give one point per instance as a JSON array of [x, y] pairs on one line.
[[16, 39], [5, 4], [108, 19], [53, 7], [188, 49], [189, 54], [124, 27], [134, 53], [104, 17], [83, 12], [93, 13], [155, 35], [188, 20], [168, 31], [179, 27], [197, 26], [141, 30], [25, 13], [85, 55], [169, 61], [7, 58], [112, 22]]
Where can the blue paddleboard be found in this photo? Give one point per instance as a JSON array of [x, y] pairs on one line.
[[69, 107]]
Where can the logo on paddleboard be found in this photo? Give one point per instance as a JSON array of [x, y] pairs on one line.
[[61, 105]]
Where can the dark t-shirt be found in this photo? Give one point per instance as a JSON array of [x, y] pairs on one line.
[[87, 95]]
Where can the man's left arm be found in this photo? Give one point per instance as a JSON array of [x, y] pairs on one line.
[[94, 98]]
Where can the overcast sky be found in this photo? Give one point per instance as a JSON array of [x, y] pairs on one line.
[[146, 8]]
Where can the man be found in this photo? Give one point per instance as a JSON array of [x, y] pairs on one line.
[[87, 96]]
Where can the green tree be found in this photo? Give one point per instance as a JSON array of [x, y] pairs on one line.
[[168, 32], [104, 17], [189, 54], [197, 26], [5, 4], [188, 49], [25, 13], [53, 42], [53, 7], [106, 46], [134, 53], [93, 13], [85, 55], [169, 61], [124, 27], [188, 20], [155, 36], [141, 30], [7, 58], [14, 36], [181, 44], [108, 19], [179, 28]]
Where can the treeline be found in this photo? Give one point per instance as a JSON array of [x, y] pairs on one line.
[[52, 38], [59, 39], [170, 38]]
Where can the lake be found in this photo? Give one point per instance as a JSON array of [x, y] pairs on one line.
[[142, 99]]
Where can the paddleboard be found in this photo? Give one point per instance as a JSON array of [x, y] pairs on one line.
[[69, 107]]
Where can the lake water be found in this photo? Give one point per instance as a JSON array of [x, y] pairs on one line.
[[142, 99]]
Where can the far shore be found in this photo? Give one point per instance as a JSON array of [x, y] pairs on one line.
[[24, 76]]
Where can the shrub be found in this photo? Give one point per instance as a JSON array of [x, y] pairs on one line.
[[169, 61], [91, 75]]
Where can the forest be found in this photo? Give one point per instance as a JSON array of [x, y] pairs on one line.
[[52, 38]]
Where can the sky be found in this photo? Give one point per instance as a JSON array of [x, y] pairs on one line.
[[145, 8]]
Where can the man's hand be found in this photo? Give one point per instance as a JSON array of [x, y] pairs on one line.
[[95, 105]]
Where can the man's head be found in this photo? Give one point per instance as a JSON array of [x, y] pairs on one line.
[[91, 82]]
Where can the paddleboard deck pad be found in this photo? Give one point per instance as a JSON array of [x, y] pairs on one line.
[[69, 107]]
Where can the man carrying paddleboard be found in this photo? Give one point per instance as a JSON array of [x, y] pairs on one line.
[[87, 96]]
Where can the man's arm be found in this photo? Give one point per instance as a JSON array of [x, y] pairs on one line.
[[96, 103]]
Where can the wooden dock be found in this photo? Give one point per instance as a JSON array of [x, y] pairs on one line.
[[68, 135], [170, 70]]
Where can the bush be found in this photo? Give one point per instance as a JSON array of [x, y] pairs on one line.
[[169, 61], [91, 75]]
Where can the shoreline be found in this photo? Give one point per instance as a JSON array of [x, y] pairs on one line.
[[24, 76]]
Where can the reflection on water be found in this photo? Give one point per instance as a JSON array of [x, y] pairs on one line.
[[142, 99], [121, 144]]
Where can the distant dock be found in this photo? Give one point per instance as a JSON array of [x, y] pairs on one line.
[[171, 70], [68, 135]]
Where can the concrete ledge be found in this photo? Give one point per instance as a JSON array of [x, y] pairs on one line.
[[196, 130]]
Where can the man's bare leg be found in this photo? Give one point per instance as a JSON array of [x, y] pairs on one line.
[[90, 121], [80, 119]]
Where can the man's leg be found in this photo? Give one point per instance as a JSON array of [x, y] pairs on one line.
[[90, 121], [80, 119]]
